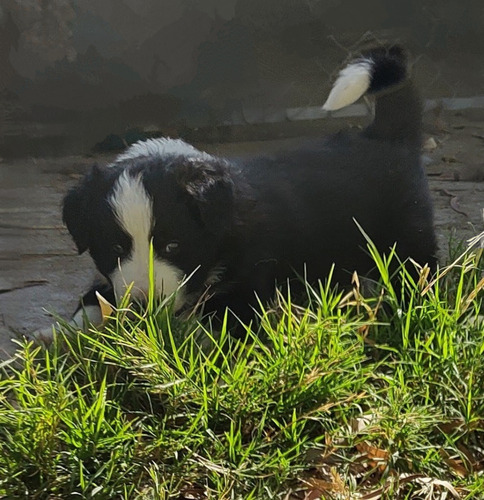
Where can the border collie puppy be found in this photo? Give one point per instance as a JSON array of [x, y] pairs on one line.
[[239, 226]]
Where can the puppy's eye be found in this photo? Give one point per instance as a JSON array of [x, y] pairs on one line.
[[118, 249], [172, 247]]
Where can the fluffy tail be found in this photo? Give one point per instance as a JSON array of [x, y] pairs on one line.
[[382, 72]]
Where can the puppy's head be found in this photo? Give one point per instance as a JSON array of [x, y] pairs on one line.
[[182, 204]]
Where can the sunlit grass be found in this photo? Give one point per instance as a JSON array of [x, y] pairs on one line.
[[341, 394]]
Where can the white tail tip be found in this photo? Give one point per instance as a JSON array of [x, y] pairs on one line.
[[352, 82]]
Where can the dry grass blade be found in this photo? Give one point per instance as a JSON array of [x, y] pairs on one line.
[[476, 241], [472, 295], [107, 310], [376, 456], [431, 488], [320, 488], [429, 483]]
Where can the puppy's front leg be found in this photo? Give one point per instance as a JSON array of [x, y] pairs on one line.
[[87, 313]]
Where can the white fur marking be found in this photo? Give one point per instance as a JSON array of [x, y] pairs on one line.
[[133, 208], [161, 148], [352, 82]]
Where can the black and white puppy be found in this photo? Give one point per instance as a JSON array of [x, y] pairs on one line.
[[239, 226]]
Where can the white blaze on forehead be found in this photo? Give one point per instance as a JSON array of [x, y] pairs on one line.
[[352, 82], [161, 148], [133, 208]]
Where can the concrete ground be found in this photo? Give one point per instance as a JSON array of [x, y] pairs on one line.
[[40, 271]]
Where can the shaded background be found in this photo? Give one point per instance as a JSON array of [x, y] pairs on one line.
[[74, 71]]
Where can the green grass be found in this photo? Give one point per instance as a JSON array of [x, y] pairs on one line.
[[341, 394]]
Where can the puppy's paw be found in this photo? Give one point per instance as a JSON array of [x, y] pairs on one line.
[[81, 321], [44, 336]]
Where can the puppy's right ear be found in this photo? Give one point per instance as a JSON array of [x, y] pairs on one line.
[[78, 205]]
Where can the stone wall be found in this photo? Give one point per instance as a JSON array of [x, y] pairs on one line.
[[88, 68]]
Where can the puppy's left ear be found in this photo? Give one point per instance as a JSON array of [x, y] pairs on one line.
[[210, 187], [78, 205], [75, 215]]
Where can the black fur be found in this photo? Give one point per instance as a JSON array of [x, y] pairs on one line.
[[261, 220]]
